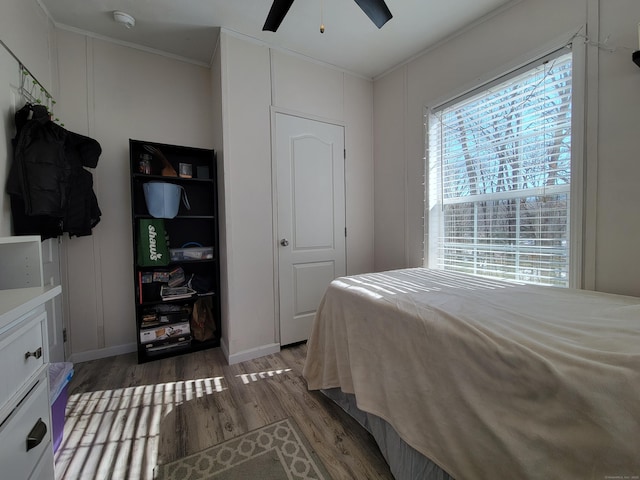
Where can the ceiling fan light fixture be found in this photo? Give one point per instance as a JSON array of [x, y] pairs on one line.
[[124, 19]]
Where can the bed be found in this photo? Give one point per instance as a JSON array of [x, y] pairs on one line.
[[483, 379]]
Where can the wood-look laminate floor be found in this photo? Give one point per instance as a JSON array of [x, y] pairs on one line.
[[123, 419]]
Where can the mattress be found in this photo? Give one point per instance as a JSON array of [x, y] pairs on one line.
[[405, 462], [487, 379]]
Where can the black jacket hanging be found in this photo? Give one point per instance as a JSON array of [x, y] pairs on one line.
[[50, 189]]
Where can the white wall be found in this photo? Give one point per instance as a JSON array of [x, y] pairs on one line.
[[390, 97], [25, 28], [316, 90], [114, 93], [255, 79], [9, 102], [358, 118], [246, 96], [618, 203], [612, 227]]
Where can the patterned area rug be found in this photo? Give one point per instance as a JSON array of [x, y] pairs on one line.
[[278, 451]]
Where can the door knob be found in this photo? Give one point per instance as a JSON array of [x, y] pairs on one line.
[[284, 242]]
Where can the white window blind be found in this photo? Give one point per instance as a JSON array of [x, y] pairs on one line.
[[500, 177]]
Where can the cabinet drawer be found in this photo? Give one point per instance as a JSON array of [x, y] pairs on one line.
[[45, 470], [16, 367], [16, 460]]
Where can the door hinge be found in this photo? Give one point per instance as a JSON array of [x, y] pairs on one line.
[[345, 231], [64, 335], [345, 153]]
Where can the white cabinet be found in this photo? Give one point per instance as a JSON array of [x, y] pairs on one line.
[[25, 413], [26, 436]]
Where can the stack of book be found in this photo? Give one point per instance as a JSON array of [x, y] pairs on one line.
[[166, 327], [163, 285], [176, 293]]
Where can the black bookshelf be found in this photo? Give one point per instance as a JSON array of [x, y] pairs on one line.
[[164, 327]]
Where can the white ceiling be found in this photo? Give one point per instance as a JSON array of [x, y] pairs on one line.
[[189, 28]]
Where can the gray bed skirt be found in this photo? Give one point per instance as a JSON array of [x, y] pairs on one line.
[[405, 462]]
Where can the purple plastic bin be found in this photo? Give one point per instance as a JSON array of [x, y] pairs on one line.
[[57, 418], [59, 376]]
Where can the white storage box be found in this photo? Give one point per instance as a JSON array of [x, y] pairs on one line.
[[164, 332], [191, 253]]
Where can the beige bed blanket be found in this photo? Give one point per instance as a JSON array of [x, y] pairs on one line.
[[490, 380]]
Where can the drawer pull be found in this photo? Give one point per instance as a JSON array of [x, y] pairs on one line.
[[36, 434], [37, 354]]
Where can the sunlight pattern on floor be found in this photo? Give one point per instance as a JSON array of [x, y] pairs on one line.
[[254, 377], [114, 434]]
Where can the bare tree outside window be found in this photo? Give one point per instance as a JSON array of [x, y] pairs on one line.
[[500, 177]]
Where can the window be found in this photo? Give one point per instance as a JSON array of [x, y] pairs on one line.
[[499, 166]]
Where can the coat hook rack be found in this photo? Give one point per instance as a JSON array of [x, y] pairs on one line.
[[35, 92]]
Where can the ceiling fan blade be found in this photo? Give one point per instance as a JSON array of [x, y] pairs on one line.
[[376, 10], [279, 9]]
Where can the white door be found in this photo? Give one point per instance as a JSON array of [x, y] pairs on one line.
[[309, 157], [51, 273]]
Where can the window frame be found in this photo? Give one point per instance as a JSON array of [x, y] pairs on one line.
[[578, 125]]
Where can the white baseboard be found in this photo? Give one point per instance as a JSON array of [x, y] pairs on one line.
[[225, 348], [132, 347], [102, 353], [250, 354]]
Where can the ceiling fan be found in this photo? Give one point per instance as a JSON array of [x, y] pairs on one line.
[[376, 10]]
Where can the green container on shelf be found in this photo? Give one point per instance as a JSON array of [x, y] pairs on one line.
[[152, 243]]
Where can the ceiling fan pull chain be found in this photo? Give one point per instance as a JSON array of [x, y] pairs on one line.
[[321, 16]]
